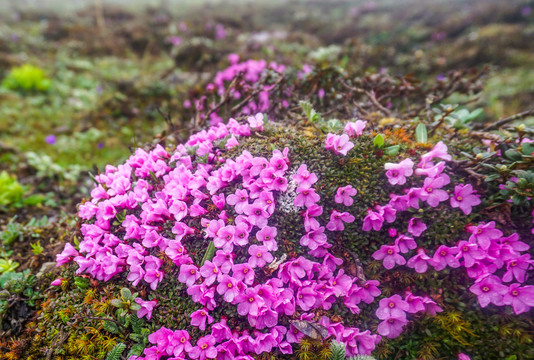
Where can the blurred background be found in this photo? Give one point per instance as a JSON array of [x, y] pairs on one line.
[[85, 81]]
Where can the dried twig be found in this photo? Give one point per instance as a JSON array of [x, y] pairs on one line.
[[507, 120]]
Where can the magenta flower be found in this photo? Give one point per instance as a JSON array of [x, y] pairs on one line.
[[521, 298], [310, 223], [243, 272], [397, 173], [200, 317], [517, 267], [146, 308], [306, 297], [462, 356], [225, 238], [416, 227], [259, 256], [392, 327], [405, 243], [464, 197], [267, 236], [239, 200], [373, 220], [228, 287], [470, 253], [306, 197], [355, 129], [444, 256], [415, 303], [344, 195], [249, 302], [484, 234], [439, 151], [205, 348], [188, 274], [180, 340], [68, 253], [337, 219], [304, 178], [390, 256], [57, 282], [314, 239], [210, 272], [431, 193], [256, 214], [489, 289], [393, 306]]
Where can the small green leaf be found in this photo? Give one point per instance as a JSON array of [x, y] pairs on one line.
[[513, 155], [392, 150], [210, 252], [111, 327], [421, 134], [379, 141], [126, 293]]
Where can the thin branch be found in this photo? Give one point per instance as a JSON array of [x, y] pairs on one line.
[[370, 95], [509, 119]]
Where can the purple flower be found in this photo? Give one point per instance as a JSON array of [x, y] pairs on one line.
[[393, 306], [521, 298], [259, 256], [313, 239], [57, 282], [243, 272], [306, 297], [444, 256], [470, 253], [489, 289], [397, 173], [431, 193], [405, 243], [439, 151], [306, 197], [146, 308], [256, 214], [304, 178], [267, 236], [373, 220], [517, 267], [465, 198], [199, 318], [337, 219], [310, 223], [390, 256], [50, 139], [344, 195], [249, 302], [416, 226], [205, 348], [180, 340], [484, 234], [391, 327]]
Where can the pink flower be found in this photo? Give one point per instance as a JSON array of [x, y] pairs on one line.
[[517, 267], [199, 318], [249, 302], [304, 178], [397, 173], [68, 253], [205, 348], [306, 197], [243, 272], [462, 356], [416, 226], [146, 308], [464, 197], [57, 282], [431, 193], [393, 306], [484, 234], [228, 287], [444, 256], [259, 256], [439, 151], [344, 195], [405, 243], [355, 129], [210, 272], [489, 289], [310, 223], [470, 253], [314, 238], [392, 327], [521, 298], [256, 122], [188, 274], [373, 220], [337, 219], [256, 214], [390, 256], [306, 297], [267, 236], [339, 144]]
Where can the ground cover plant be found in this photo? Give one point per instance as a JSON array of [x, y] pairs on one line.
[[190, 187]]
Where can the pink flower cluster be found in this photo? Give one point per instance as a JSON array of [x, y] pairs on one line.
[[486, 253]]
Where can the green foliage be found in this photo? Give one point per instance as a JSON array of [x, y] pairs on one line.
[[338, 350], [17, 286], [210, 252], [421, 135], [10, 190], [116, 352], [37, 248], [27, 78]]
